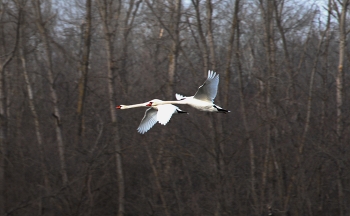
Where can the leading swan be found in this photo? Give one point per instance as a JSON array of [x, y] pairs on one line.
[[160, 113]]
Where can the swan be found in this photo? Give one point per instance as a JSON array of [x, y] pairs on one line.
[[202, 100], [160, 113]]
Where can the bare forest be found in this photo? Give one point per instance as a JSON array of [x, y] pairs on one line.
[[282, 150]]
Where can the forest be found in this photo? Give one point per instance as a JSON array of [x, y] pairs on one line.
[[282, 150]]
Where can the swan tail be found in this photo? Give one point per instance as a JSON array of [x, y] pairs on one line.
[[179, 97], [221, 110], [181, 111]]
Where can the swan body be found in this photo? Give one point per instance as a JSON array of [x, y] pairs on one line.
[[160, 113], [203, 99]]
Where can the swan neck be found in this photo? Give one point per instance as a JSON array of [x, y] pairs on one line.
[[172, 102], [133, 106]]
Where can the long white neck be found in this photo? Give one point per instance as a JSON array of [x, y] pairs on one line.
[[133, 106], [171, 102]]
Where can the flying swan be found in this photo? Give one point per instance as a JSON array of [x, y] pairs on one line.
[[160, 113]]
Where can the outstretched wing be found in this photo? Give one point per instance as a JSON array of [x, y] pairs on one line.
[[165, 112], [209, 89], [148, 120]]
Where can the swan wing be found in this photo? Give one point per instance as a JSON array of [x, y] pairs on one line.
[[148, 121], [165, 112], [209, 89]]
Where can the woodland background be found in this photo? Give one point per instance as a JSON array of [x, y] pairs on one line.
[[66, 150]]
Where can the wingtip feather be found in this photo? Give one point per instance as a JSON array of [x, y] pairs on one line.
[[141, 131], [212, 75]]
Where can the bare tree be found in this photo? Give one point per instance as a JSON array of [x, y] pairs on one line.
[[174, 33], [204, 46], [111, 97], [270, 78], [84, 68], [340, 74], [56, 112], [127, 27], [229, 54], [340, 92], [277, 153], [210, 34], [174, 46], [34, 112], [278, 9]]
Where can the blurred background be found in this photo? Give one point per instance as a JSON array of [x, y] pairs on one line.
[[66, 65]]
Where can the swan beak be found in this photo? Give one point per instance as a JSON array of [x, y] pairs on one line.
[[118, 107], [149, 104]]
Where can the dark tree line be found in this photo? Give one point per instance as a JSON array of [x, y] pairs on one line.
[[66, 150]]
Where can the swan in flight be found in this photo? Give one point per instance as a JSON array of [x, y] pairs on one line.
[[202, 100], [160, 113]]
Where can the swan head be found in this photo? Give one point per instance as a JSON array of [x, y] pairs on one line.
[[120, 107], [152, 104]]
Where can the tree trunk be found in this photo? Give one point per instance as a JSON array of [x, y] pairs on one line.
[[210, 35], [216, 122], [325, 72], [278, 19], [174, 48], [111, 97], [204, 48], [245, 121], [157, 181], [310, 93], [340, 95], [37, 126], [266, 8], [229, 53], [56, 112], [340, 190], [84, 68], [3, 138], [340, 74], [3, 116], [128, 25]]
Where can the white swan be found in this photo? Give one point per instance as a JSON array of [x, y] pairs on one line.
[[202, 100], [160, 113]]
